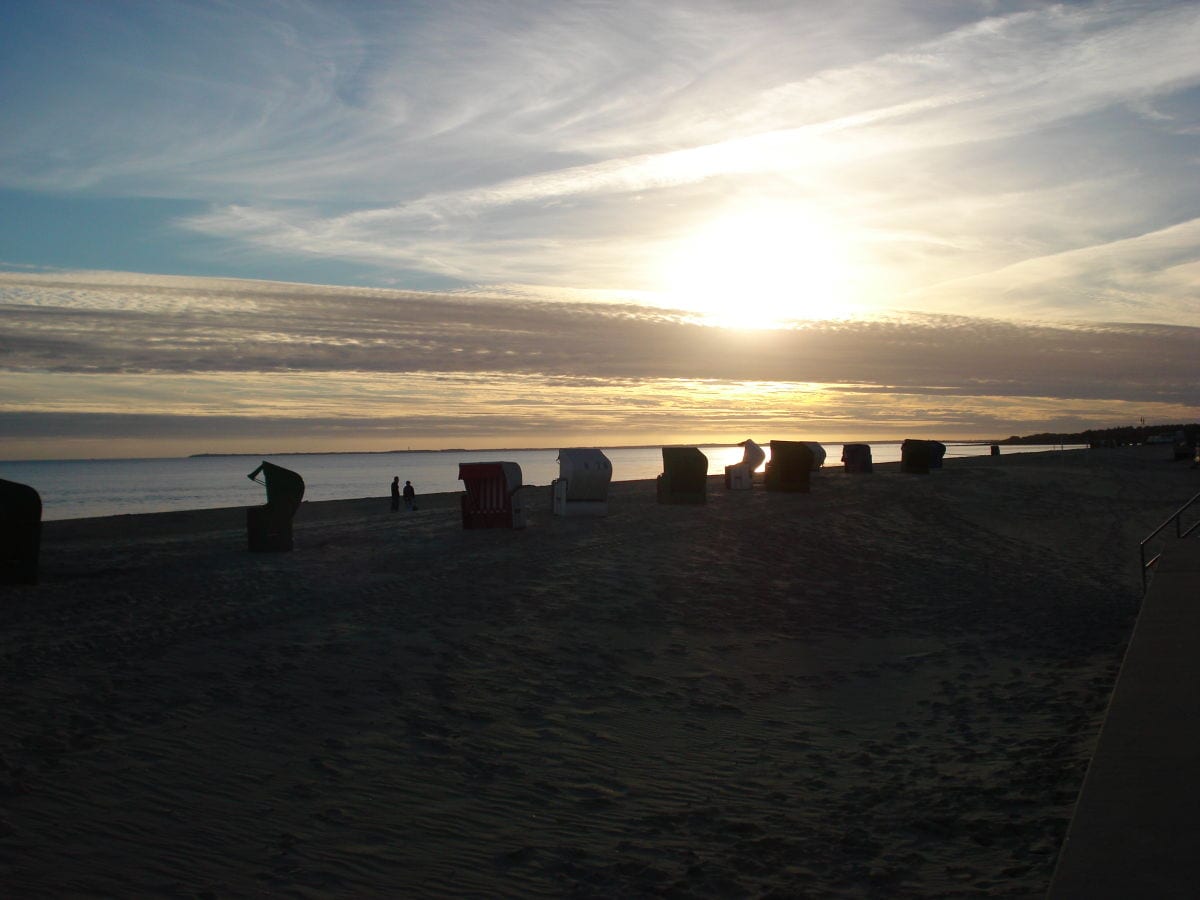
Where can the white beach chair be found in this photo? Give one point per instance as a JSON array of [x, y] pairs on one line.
[[740, 476], [581, 488]]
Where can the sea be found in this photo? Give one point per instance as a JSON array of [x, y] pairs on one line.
[[84, 488]]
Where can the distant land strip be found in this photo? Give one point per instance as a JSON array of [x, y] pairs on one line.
[[1126, 434], [449, 450], [1130, 434]]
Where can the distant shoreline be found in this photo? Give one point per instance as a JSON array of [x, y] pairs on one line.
[[981, 443], [256, 454], [1123, 435], [438, 450]]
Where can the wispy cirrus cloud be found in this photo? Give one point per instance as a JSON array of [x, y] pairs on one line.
[[912, 148], [1117, 279], [309, 105], [571, 146]]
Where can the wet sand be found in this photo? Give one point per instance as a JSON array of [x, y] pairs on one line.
[[889, 686]]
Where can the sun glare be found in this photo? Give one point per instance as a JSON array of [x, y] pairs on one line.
[[758, 268]]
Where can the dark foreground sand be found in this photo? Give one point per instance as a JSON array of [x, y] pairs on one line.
[[888, 687]]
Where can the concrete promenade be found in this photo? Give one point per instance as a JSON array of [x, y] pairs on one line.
[[1136, 827]]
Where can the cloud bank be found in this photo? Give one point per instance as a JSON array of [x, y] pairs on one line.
[[141, 356]]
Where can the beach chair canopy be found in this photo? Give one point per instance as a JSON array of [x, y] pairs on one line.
[[753, 455], [19, 503], [740, 476], [685, 476], [791, 456], [857, 457], [686, 467], [929, 453], [818, 454], [491, 497], [490, 485], [20, 532], [587, 473], [506, 474], [790, 466], [917, 456], [285, 489], [269, 527]]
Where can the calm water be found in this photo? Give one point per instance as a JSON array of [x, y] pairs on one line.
[[73, 489]]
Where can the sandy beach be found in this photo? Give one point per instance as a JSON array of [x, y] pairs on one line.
[[887, 687]]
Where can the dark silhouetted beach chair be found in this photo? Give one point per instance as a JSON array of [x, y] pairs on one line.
[[740, 476], [918, 457], [581, 488], [790, 468], [20, 533], [492, 498], [269, 527], [857, 459], [685, 476]]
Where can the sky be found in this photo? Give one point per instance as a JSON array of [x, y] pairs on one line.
[[309, 226]]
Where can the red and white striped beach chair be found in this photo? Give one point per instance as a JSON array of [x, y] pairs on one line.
[[492, 497]]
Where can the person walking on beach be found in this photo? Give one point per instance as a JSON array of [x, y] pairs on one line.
[[396, 493], [410, 496]]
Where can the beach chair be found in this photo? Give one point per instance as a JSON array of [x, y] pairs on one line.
[[917, 457], [685, 476], [493, 495], [937, 452], [740, 476], [269, 527], [20, 533], [581, 488], [790, 467], [857, 459], [818, 453]]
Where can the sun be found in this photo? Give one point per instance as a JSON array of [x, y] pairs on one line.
[[758, 267]]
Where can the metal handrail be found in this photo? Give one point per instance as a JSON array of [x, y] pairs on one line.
[[1180, 532]]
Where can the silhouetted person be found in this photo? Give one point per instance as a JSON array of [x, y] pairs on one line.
[[396, 493], [410, 496]]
